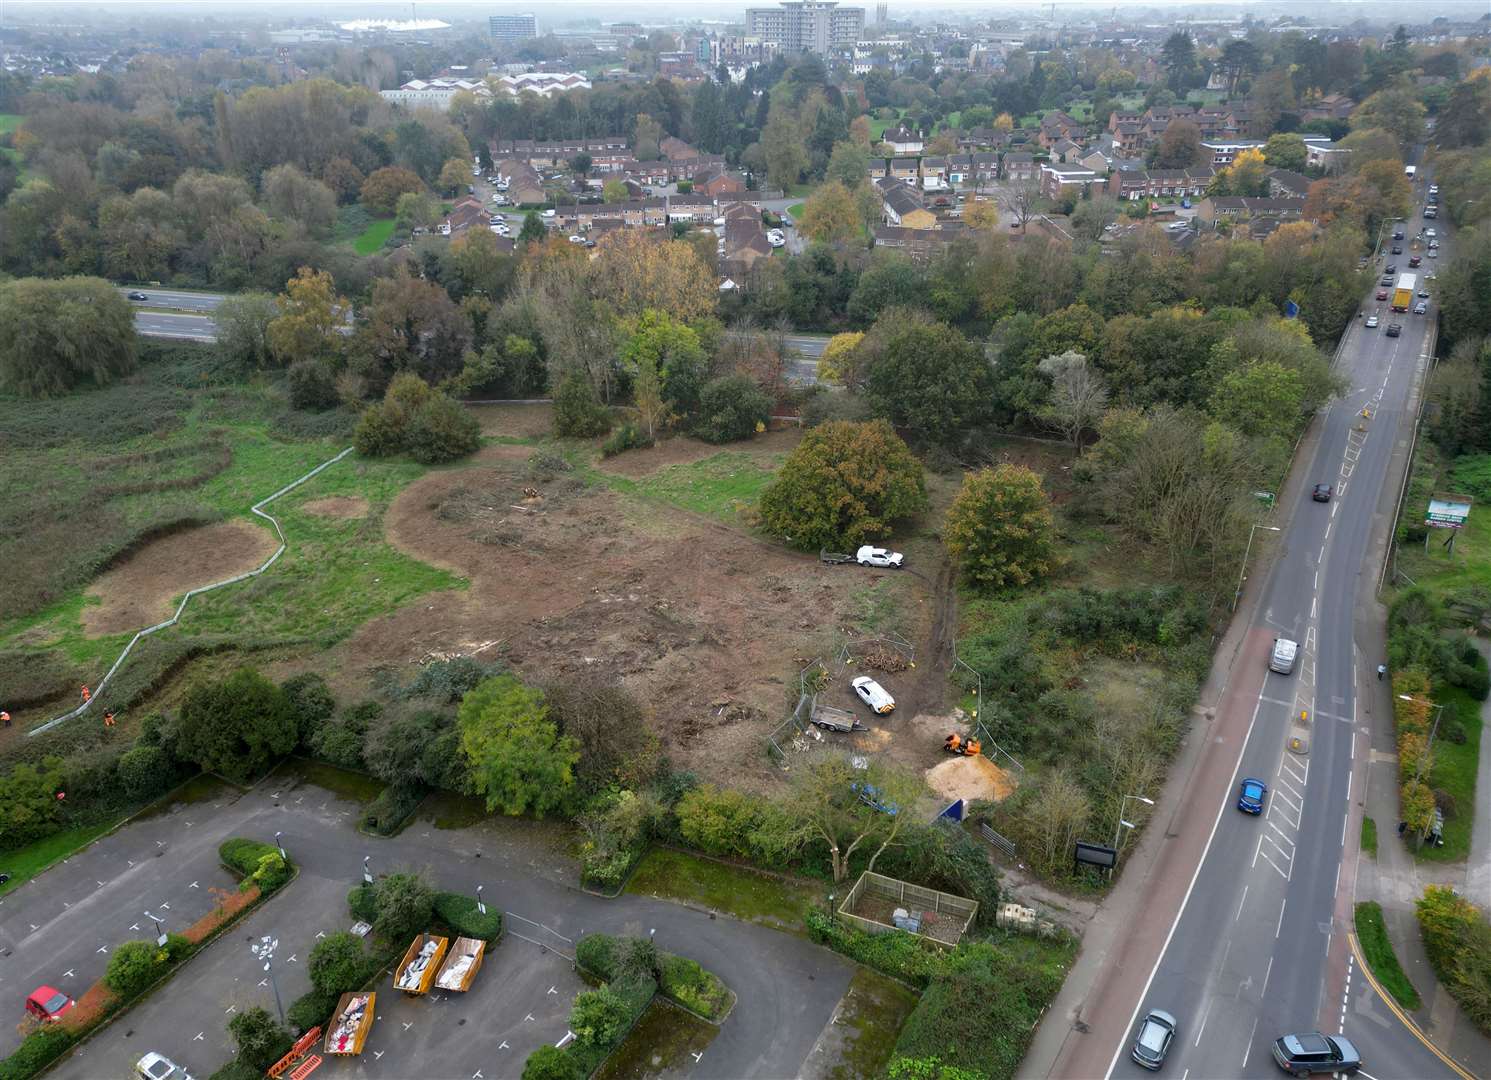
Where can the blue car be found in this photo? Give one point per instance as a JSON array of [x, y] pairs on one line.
[[1250, 796]]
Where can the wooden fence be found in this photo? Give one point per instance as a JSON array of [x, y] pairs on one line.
[[957, 912]]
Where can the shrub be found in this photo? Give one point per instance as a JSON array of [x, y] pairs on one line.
[[311, 1009], [59, 334], [313, 386], [610, 724], [897, 954], [551, 1063], [134, 965], [338, 964], [615, 837], [261, 1041], [731, 408], [844, 485], [1457, 938], [237, 1069], [405, 904], [1000, 529], [578, 413], [441, 430], [627, 437], [596, 953], [459, 912], [259, 863], [311, 703], [38, 1050], [687, 983], [362, 901], [599, 1017], [236, 727], [379, 433], [827, 406], [394, 805], [145, 771], [717, 820]]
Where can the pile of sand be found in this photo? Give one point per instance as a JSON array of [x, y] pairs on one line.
[[970, 778]]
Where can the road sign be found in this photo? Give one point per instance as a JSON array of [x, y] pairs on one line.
[[1094, 854], [1448, 511]]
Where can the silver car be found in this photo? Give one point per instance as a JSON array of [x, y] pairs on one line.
[[1152, 1043]]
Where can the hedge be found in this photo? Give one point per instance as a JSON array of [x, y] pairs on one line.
[[363, 902], [258, 863], [394, 806], [897, 954], [459, 912]]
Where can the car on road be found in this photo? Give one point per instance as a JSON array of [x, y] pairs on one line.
[[1392, 268], [1316, 1053], [874, 556], [1397, 249], [1433, 253], [1371, 322], [874, 695], [1421, 308], [1414, 261], [1386, 280], [1423, 294], [1397, 234], [48, 1003], [1281, 659], [155, 1066], [1394, 329], [137, 296], [1433, 189], [1250, 795], [1430, 212], [1322, 493], [1382, 294], [1152, 1043]]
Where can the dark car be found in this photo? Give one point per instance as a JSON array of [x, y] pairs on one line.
[[1322, 493], [1394, 329], [1392, 268], [1251, 793], [1414, 260], [1316, 1053], [1152, 1043], [1382, 294], [1397, 250], [1385, 280], [1397, 234], [137, 296]]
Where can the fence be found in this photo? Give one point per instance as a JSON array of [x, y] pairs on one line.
[[536, 933], [956, 912], [256, 509], [862, 646], [791, 732], [987, 743], [1001, 842]]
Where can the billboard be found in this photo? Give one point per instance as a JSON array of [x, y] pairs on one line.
[[1094, 854], [1447, 511]]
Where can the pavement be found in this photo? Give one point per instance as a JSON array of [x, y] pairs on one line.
[[1478, 869], [60, 927], [1238, 924]]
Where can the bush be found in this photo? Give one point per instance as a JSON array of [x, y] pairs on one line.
[[1457, 938], [441, 430], [338, 964], [731, 408], [687, 983], [394, 805], [362, 901], [897, 954], [405, 904], [259, 863], [459, 912], [146, 771], [627, 437], [134, 965], [578, 413], [599, 1017], [311, 1009], [311, 703], [237, 727], [826, 406], [596, 953], [37, 1050], [313, 386], [551, 1063], [379, 433], [237, 1069], [718, 821], [261, 1042]]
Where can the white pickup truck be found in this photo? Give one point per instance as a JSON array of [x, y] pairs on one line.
[[874, 556]]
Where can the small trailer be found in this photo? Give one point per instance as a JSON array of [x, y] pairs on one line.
[[350, 1024], [421, 960], [462, 964], [834, 558], [831, 719]]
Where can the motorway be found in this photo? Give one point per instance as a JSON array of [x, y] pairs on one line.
[[1257, 944]]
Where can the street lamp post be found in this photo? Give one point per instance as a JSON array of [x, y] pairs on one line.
[[160, 929], [1122, 824], [281, 846], [1433, 730], [367, 873], [264, 951], [1243, 569]]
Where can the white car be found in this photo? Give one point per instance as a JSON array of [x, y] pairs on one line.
[[575, 238], [874, 695], [874, 556], [155, 1066], [776, 241], [1371, 322]]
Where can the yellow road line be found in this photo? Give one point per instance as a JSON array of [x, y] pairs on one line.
[[1399, 1013]]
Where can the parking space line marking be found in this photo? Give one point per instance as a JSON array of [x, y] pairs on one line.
[[1280, 831], [193, 885], [69, 974], [553, 990], [263, 982], [199, 1036], [408, 1025], [135, 927], [230, 1009], [100, 883], [527, 1018], [1256, 851], [378, 1054], [320, 933], [698, 1054], [165, 907], [103, 948], [504, 1045]]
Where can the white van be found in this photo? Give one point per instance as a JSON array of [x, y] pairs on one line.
[[1282, 658]]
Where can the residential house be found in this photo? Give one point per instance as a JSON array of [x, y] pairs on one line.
[[902, 141], [1097, 160], [718, 183], [1329, 107], [524, 185], [1223, 153], [1130, 138], [740, 211], [1019, 168], [1065, 181], [1065, 151], [919, 244], [1056, 126], [463, 215], [675, 149], [903, 208], [878, 168], [691, 207], [1167, 184], [905, 168], [1326, 156], [1234, 207], [1284, 183], [981, 138], [934, 173], [689, 168]]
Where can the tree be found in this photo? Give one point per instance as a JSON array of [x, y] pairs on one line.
[[1179, 146], [455, 175], [1395, 109], [57, 335], [29, 808], [243, 329], [236, 727], [533, 231], [381, 190], [925, 376], [634, 271], [1239, 58], [849, 164], [343, 178], [140, 235], [844, 485], [338, 964], [261, 1042], [405, 903], [1079, 395], [518, 759], [826, 793], [731, 407], [1092, 217], [1285, 150], [837, 364], [413, 418], [291, 195], [614, 191], [1247, 175], [782, 145], [1465, 119], [1023, 201], [134, 965], [1178, 58], [412, 325], [678, 363], [830, 215], [310, 313], [610, 727], [1000, 530], [551, 1063], [647, 135], [416, 209], [578, 412]]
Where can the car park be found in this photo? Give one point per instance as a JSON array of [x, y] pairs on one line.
[[1250, 795], [874, 695], [1421, 308], [1394, 330], [1316, 1053], [875, 556], [1322, 493], [1152, 1043], [137, 296], [1371, 322]]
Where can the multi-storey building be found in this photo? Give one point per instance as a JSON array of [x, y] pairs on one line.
[[512, 27], [816, 26]]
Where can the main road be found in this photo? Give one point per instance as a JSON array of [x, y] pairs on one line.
[[1249, 940]]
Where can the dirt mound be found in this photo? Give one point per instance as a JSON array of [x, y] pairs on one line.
[[139, 591], [341, 507], [970, 778]]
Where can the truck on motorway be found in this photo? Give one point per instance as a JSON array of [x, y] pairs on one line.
[[1403, 294]]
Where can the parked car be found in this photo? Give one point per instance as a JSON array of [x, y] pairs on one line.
[[1371, 322], [1156, 1033], [1423, 293], [1421, 308], [137, 296], [576, 238], [155, 1066], [1433, 253], [1394, 330], [874, 556], [1250, 796], [874, 695], [1433, 189], [48, 1003], [1322, 493], [1316, 1053], [1386, 280]]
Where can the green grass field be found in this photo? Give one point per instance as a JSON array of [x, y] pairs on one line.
[[796, 210], [1377, 950], [720, 486], [874, 1010], [9, 122], [372, 239], [733, 890], [1454, 773]]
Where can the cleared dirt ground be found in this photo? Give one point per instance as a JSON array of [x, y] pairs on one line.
[[138, 592]]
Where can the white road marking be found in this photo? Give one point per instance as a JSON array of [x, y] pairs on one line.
[[1240, 902], [698, 1055], [193, 885], [103, 948], [199, 1037], [1282, 904], [69, 974], [1337, 887], [1267, 972]]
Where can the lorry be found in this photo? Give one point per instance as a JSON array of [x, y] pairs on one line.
[[462, 964], [1403, 293], [350, 1023], [421, 960]]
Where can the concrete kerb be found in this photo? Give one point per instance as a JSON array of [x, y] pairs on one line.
[[256, 509]]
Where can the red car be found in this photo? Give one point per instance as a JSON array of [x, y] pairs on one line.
[[47, 1003], [1382, 294]]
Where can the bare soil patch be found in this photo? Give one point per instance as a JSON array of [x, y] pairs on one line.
[[139, 591], [516, 421], [685, 451], [970, 778], [341, 507]]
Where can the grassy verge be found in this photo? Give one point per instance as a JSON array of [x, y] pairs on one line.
[[372, 239], [663, 1043], [1454, 773], [1369, 837], [720, 486], [732, 890], [870, 1019], [795, 210], [1377, 950], [23, 864]]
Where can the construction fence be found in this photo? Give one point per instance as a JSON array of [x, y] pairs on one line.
[[940, 917]]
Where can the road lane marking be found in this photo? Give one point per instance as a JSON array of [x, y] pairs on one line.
[[1205, 1014], [1282, 904], [1276, 867], [1344, 818], [1337, 888], [1258, 849], [1264, 992]]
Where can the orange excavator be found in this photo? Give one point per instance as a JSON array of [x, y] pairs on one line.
[[956, 744]]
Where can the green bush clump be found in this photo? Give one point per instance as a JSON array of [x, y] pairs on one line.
[[362, 901], [405, 904], [596, 953], [459, 912], [311, 1009], [427, 424], [237, 1069], [38, 1050], [551, 1063], [730, 408], [313, 385], [258, 863], [897, 954], [394, 805], [687, 983], [134, 965], [578, 413], [627, 437]]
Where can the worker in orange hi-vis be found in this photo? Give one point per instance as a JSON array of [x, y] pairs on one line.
[[108, 719], [86, 695], [4, 718]]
